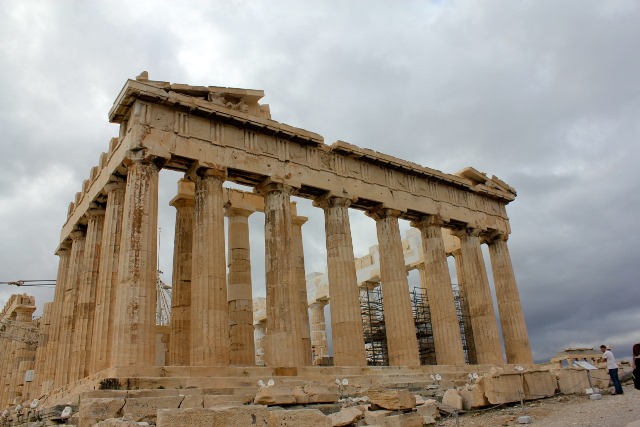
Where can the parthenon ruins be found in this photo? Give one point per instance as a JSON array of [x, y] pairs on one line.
[[103, 316]]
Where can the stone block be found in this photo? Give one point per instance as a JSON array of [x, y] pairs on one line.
[[392, 399], [346, 416], [473, 395], [211, 400], [429, 408], [276, 395], [428, 420], [94, 410], [298, 418], [404, 420], [253, 415], [572, 381], [452, 398], [192, 401], [146, 408], [539, 384], [321, 394], [302, 398], [504, 388], [116, 422], [376, 417]]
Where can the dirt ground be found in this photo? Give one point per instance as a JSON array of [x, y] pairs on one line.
[[560, 411]]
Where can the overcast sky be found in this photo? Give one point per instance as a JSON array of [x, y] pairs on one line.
[[543, 94]]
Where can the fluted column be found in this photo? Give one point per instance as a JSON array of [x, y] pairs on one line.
[[318, 332], [180, 342], [260, 330], [209, 306], [514, 328], [402, 343], [478, 293], [72, 283], [437, 282], [50, 360], [42, 350], [107, 282], [22, 352], [464, 310], [82, 338], [346, 318], [283, 345], [301, 284], [240, 294], [135, 309]]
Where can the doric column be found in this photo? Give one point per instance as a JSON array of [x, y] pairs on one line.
[[42, 352], [135, 310], [464, 310], [107, 281], [514, 328], [72, 283], [346, 319], [301, 284], [283, 340], [478, 294], [437, 282], [260, 330], [180, 342], [82, 346], [50, 360], [400, 327], [240, 294], [22, 352], [318, 332], [209, 306]]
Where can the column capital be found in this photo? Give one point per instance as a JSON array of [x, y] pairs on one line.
[[493, 236], [206, 170], [146, 156], [329, 201], [230, 211], [381, 212], [77, 235], [299, 221], [269, 186], [115, 185], [429, 221], [94, 212], [63, 247], [318, 303], [463, 231]]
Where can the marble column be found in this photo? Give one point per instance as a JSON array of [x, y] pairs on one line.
[[402, 343], [319, 342], [283, 345], [346, 319], [240, 293], [180, 341], [464, 310], [514, 328], [478, 293], [209, 305], [22, 351], [260, 330], [135, 308], [107, 281], [301, 284], [72, 283], [437, 282], [42, 350], [82, 339], [51, 359]]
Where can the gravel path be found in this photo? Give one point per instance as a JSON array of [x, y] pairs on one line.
[[564, 411]]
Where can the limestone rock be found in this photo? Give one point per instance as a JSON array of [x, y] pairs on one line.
[[473, 395], [429, 408], [419, 399], [452, 398], [192, 401], [404, 420], [376, 417], [302, 398], [116, 422], [253, 415], [298, 418], [392, 399], [94, 410], [276, 395], [503, 389], [146, 408], [321, 394], [428, 420], [572, 381], [539, 384], [346, 416]]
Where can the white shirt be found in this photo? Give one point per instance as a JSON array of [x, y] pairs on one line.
[[611, 361]]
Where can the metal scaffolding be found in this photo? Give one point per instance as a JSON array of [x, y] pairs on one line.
[[375, 336], [424, 329], [464, 320]]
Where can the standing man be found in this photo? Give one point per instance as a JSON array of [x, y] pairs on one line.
[[607, 356]]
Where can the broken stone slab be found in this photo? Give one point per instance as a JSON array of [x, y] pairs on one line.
[[302, 398], [428, 408], [392, 399], [571, 381], [298, 418], [473, 395], [94, 410], [411, 419], [428, 420], [115, 422], [248, 415], [453, 399], [503, 388], [376, 417], [539, 384], [146, 408], [346, 416], [321, 394], [275, 395]]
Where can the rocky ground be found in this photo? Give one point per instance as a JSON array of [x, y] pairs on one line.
[[564, 411]]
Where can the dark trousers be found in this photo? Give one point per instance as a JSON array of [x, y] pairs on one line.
[[613, 374]]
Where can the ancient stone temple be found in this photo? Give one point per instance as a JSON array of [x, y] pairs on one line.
[[102, 321]]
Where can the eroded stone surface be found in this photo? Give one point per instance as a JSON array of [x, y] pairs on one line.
[[392, 399], [252, 415], [298, 418]]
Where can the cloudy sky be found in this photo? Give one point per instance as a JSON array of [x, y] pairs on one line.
[[543, 94]]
